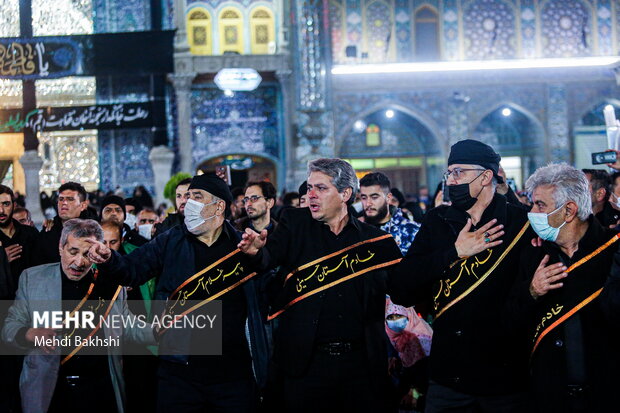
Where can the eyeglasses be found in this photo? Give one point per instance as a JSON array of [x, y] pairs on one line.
[[252, 199], [458, 172]]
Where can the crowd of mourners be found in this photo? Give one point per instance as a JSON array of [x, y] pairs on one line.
[[347, 296]]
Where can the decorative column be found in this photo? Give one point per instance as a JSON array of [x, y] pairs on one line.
[[559, 149], [161, 158], [182, 83], [32, 163], [287, 153], [282, 37], [314, 117], [180, 37]]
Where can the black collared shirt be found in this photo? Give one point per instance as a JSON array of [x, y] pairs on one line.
[[583, 349], [81, 364], [341, 317]]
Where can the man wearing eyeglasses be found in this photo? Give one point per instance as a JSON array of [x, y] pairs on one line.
[[464, 259], [258, 200]]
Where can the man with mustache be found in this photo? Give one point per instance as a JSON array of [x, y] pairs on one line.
[[70, 380], [18, 240], [376, 197], [258, 200]]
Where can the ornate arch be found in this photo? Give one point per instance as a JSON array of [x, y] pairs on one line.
[[426, 121]]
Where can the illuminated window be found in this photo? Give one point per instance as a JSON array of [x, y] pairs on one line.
[[262, 31], [199, 32], [426, 34], [373, 135], [231, 31]]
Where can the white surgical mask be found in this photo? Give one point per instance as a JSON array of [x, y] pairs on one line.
[[145, 230], [131, 220], [540, 225], [616, 203], [193, 218]]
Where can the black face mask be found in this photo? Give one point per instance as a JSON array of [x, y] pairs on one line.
[[460, 197]]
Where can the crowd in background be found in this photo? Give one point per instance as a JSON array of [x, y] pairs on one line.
[[472, 211]]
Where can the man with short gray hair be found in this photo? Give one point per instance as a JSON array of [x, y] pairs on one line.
[[560, 298], [330, 344], [66, 381]]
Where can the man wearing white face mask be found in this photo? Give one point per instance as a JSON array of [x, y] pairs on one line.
[[561, 300], [147, 218], [181, 258]]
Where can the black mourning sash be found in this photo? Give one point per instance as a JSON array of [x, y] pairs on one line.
[[465, 275], [224, 275], [554, 314], [336, 268], [99, 299]]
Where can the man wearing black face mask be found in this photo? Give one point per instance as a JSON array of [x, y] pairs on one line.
[[464, 259]]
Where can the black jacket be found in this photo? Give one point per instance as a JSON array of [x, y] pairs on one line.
[[47, 244], [172, 220], [5, 276], [171, 256], [297, 240], [133, 237], [25, 236], [48, 241], [595, 328], [245, 222], [472, 351]]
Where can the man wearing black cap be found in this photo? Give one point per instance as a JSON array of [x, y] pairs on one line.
[[465, 259], [183, 257], [113, 209]]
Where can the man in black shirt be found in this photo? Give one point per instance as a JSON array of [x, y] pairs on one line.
[[18, 240], [330, 344], [193, 382], [566, 299], [259, 199], [71, 204]]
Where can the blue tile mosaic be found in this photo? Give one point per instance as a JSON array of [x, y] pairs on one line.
[[247, 122]]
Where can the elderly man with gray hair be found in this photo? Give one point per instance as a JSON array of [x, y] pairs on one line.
[[330, 344], [561, 299], [67, 377]]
